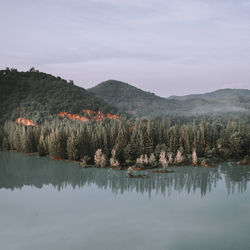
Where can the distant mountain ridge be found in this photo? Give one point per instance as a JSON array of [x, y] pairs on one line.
[[145, 104], [38, 96], [220, 93]]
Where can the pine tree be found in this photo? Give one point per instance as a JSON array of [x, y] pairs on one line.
[[57, 144], [194, 157], [72, 147], [179, 157], [170, 158]]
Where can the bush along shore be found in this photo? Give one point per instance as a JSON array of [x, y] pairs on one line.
[[142, 144]]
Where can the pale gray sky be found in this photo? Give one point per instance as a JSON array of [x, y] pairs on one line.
[[169, 47]]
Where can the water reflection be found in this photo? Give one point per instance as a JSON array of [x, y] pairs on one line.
[[17, 170]]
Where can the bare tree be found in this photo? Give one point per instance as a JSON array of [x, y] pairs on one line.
[[152, 160], [162, 160], [140, 160], [100, 159], [113, 161], [194, 157]]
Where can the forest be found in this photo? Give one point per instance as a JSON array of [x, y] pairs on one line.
[[40, 96], [141, 103], [135, 139], [139, 142]]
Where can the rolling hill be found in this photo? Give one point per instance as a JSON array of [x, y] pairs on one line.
[[215, 95], [133, 100], [145, 104], [40, 96], [222, 100]]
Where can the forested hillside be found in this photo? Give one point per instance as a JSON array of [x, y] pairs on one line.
[[46, 114], [145, 104], [40, 96], [133, 100], [216, 95]]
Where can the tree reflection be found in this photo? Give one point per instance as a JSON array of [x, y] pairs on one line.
[[17, 170]]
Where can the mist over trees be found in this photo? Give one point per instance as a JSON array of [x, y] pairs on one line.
[[141, 103]]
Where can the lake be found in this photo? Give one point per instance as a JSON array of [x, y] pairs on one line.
[[46, 204]]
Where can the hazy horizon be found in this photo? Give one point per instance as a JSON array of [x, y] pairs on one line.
[[95, 84], [171, 47]]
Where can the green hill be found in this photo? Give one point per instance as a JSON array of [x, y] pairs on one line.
[[146, 104], [216, 95], [39, 96], [222, 101], [133, 100]]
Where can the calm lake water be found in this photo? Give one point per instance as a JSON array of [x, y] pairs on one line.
[[56, 205]]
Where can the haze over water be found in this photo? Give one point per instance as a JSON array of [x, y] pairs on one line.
[[49, 204]]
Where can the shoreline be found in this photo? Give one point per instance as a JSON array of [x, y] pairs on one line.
[[151, 168]]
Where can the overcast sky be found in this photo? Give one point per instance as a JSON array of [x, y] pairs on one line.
[[169, 47]]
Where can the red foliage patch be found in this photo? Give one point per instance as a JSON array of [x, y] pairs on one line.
[[92, 115], [24, 121]]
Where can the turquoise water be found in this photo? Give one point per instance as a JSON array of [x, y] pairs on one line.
[[47, 204]]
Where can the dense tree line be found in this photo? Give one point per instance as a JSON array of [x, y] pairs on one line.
[[140, 142]]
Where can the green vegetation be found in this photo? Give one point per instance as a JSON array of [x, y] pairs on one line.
[[181, 138], [128, 98], [216, 95], [233, 102], [145, 143], [39, 96]]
